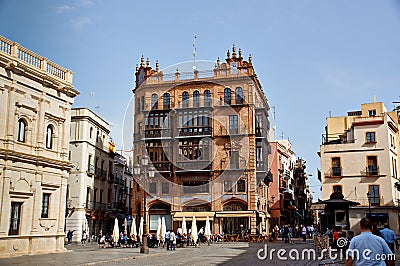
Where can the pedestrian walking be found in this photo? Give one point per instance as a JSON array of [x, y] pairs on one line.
[[167, 239], [84, 238], [366, 247], [390, 237], [69, 236], [304, 233], [172, 239]]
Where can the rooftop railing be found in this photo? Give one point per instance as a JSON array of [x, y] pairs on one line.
[[25, 56]]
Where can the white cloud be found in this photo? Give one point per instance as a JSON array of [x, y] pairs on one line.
[[79, 23], [62, 9], [86, 3]]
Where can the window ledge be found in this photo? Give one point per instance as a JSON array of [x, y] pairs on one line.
[[370, 142]]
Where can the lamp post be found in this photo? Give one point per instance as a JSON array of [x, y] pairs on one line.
[[137, 170], [369, 201]]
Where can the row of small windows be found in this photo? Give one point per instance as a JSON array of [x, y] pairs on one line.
[[196, 99], [97, 135], [21, 133]]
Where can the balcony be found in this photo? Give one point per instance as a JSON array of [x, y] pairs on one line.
[[334, 172], [194, 131], [162, 166], [370, 170], [90, 170], [157, 133], [261, 132], [328, 139], [188, 166], [262, 167]]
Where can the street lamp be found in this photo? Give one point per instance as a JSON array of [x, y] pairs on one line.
[[151, 172], [369, 196]]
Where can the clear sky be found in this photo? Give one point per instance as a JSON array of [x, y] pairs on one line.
[[313, 58]]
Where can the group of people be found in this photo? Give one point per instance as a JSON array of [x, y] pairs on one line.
[[287, 232], [123, 240]]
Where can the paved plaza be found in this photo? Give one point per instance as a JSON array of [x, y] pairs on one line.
[[238, 253]]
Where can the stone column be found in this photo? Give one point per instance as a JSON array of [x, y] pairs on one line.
[[5, 201], [40, 123], [37, 200], [11, 113]]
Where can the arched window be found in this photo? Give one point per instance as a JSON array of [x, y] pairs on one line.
[[207, 98], [196, 99], [227, 96], [154, 101], [49, 137], [91, 133], [166, 101], [239, 95], [185, 99], [21, 130]]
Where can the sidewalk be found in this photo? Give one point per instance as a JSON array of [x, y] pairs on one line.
[[93, 255], [77, 254]]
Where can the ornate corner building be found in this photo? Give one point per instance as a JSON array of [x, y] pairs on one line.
[[205, 133], [35, 109]]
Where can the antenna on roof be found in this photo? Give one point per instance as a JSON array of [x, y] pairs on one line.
[[97, 107], [194, 51]]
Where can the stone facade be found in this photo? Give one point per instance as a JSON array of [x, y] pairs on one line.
[[359, 158], [201, 131], [92, 157], [35, 108]]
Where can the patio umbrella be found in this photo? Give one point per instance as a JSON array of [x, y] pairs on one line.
[[125, 226], [115, 234], [140, 234], [163, 229], [159, 229], [184, 229], [207, 230], [194, 231], [133, 227]]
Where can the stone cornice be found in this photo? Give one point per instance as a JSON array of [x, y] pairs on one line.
[[35, 160]]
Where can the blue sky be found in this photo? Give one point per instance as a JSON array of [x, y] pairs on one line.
[[312, 57]]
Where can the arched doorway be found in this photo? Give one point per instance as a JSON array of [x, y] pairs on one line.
[[158, 210], [235, 217]]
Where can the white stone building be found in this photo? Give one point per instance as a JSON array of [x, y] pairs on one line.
[[35, 108], [89, 192], [359, 156]]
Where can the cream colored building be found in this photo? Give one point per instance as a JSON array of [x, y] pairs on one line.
[[35, 108], [89, 189], [359, 155]]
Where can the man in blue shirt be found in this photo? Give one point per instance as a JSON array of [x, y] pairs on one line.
[[368, 249], [390, 237]]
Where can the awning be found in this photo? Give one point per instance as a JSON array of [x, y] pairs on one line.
[[200, 216], [234, 214]]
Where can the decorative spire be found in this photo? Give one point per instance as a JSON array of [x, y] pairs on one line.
[[137, 68], [157, 65], [228, 54], [148, 62], [240, 53], [142, 61], [233, 51], [250, 58], [218, 61]]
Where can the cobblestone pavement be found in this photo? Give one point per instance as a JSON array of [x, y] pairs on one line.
[[216, 254]]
